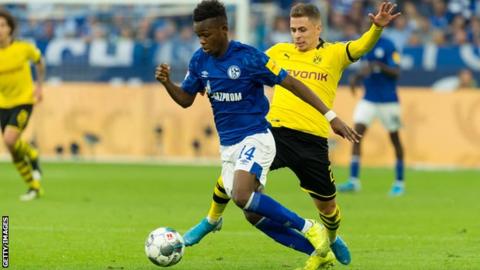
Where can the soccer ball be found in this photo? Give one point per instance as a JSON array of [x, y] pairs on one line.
[[164, 247]]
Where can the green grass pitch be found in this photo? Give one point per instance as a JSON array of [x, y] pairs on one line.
[[97, 216]]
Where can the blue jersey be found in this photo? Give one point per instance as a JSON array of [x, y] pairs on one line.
[[234, 84], [378, 86]]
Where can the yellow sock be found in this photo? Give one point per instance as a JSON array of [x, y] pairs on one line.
[[25, 170], [22, 150], [219, 201], [331, 222]]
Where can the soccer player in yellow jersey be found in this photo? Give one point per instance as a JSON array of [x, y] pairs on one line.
[[300, 132], [17, 96]]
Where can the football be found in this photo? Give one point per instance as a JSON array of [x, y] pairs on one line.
[[164, 247]]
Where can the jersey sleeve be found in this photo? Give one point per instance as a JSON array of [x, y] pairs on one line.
[[264, 69], [340, 49], [192, 83], [33, 53]]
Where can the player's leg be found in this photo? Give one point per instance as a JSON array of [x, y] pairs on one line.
[[398, 187], [219, 201], [363, 115], [213, 221], [353, 183], [316, 178], [281, 234], [389, 115], [330, 215], [20, 150], [252, 160]]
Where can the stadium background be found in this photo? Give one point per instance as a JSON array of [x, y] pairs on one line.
[[102, 101], [102, 104]]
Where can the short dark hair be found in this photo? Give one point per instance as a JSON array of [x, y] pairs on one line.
[[305, 10], [209, 9], [10, 20]]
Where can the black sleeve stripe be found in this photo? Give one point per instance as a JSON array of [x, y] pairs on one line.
[[349, 55], [39, 60]]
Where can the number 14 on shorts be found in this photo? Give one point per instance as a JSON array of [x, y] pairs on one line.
[[248, 154]]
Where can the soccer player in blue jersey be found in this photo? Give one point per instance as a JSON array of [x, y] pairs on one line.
[[232, 75], [379, 73]]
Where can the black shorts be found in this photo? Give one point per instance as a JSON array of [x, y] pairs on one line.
[[307, 156], [17, 116]]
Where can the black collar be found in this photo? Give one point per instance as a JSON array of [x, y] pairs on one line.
[[321, 43]]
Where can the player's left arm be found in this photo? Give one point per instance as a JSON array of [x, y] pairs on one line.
[[40, 72], [357, 48], [35, 56]]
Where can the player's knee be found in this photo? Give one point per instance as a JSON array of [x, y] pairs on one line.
[[10, 143], [240, 198]]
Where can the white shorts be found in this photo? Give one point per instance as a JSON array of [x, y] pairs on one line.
[[253, 154], [388, 113]]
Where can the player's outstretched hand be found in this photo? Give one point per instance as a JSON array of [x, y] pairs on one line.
[[384, 15], [341, 129], [162, 73]]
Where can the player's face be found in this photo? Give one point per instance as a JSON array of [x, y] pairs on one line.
[[212, 35], [4, 29], [305, 33]]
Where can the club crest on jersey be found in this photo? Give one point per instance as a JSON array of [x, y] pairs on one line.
[[379, 53], [317, 59], [234, 72]]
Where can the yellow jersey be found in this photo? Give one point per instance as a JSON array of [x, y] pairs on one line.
[[16, 84], [320, 69]]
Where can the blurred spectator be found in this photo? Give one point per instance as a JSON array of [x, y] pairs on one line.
[[399, 33], [280, 31], [466, 80], [438, 38], [462, 8], [185, 45], [439, 17], [460, 38], [463, 80], [458, 24], [415, 39], [474, 30], [425, 30], [414, 19]]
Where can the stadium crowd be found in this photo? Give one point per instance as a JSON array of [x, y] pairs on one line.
[[444, 23], [143, 35]]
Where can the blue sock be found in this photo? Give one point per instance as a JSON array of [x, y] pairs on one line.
[[265, 206], [285, 236], [399, 170], [355, 167]]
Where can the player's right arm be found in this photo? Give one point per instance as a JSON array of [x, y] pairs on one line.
[[304, 93], [180, 96]]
